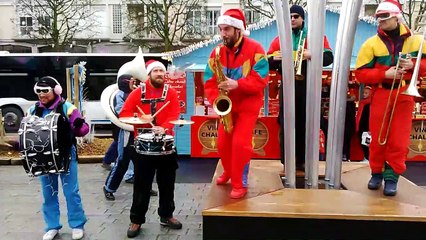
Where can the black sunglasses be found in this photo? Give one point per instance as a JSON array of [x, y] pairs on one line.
[[383, 16], [46, 90], [296, 16]]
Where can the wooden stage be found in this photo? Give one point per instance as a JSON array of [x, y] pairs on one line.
[[269, 211]]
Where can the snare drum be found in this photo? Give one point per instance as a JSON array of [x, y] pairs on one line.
[[43, 149], [154, 144]]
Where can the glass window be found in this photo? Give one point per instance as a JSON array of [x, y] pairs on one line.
[[194, 22], [26, 25], [117, 23], [212, 16], [43, 24], [370, 9]]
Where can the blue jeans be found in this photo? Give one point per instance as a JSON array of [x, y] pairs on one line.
[[50, 207]]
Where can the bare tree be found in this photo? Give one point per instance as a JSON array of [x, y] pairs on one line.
[[413, 13], [56, 22], [173, 21], [264, 7]]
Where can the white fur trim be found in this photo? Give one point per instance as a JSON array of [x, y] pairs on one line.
[[225, 19], [387, 7], [154, 65]]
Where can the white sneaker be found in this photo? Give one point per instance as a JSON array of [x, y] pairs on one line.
[[49, 235], [77, 233]]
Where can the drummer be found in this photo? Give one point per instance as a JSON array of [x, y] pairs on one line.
[[49, 92], [157, 103]]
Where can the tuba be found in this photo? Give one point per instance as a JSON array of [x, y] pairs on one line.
[[137, 69], [222, 104], [299, 58]]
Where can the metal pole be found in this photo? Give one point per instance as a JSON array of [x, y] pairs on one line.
[[341, 69], [282, 11], [316, 23]]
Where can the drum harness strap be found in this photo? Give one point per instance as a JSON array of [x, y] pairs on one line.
[[38, 111], [153, 101]]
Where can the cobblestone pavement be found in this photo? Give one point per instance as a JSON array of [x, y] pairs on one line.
[[21, 218]]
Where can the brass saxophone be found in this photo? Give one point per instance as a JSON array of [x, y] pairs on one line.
[[299, 58], [222, 104]]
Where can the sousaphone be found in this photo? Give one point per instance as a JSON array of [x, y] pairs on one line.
[[137, 69]]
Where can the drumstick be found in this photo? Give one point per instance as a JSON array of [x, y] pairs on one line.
[[159, 110], [141, 111]]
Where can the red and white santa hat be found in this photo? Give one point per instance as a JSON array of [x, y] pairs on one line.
[[151, 64], [390, 6], [234, 17]]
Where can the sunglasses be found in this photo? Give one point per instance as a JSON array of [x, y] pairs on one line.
[[296, 16], [383, 16], [44, 90]]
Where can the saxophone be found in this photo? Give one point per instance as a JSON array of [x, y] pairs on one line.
[[299, 58], [222, 104]]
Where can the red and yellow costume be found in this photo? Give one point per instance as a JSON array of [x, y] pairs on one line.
[[246, 63], [375, 57]]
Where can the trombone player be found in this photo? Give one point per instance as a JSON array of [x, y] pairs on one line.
[[382, 63]]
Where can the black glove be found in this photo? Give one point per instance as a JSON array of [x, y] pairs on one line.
[[78, 122]]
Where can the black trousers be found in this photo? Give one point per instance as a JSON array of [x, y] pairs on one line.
[[146, 166], [365, 149]]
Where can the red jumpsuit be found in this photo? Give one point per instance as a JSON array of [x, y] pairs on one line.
[[377, 55], [246, 63]]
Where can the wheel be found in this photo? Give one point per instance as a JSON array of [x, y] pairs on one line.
[[12, 118]]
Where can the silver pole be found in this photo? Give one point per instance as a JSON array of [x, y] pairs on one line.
[[316, 23], [282, 12], [341, 69]]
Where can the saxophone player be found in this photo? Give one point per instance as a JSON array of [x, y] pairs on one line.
[[376, 65], [245, 67], [299, 33]]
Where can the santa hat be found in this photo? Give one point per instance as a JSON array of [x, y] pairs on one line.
[[390, 6], [151, 64], [234, 17]]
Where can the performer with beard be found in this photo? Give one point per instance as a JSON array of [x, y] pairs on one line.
[[245, 67], [150, 97]]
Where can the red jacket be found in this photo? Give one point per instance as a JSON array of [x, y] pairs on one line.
[[169, 113], [246, 63]]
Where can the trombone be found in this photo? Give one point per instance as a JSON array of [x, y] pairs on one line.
[[410, 91]]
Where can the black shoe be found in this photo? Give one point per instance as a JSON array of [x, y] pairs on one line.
[[106, 166], [133, 230], [108, 195], [375, 181], [153, 193], [130, 180], [390, 188], [171, 222]]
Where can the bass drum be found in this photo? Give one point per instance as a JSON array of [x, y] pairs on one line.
[[45, 144]]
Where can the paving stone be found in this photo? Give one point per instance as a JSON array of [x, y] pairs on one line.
[[21, 217]]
